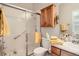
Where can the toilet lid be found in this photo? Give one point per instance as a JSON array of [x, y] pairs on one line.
[[40, 50]]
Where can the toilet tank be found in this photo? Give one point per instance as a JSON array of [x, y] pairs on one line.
[[45, 43]]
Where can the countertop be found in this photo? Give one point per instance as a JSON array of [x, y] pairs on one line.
[[70, 47]]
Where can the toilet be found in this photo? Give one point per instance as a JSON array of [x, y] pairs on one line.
[[40, 51]]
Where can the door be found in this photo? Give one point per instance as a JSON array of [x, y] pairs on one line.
[[17, 24], [33, 23]]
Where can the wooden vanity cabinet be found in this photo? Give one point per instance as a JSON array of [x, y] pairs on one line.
[[59, 52], [48, 16]]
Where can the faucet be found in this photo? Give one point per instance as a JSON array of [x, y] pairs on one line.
[[75, 41]]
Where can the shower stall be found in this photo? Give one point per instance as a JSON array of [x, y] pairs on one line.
[[22, 24]]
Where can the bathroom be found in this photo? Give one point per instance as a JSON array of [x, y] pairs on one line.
[[27, 35]]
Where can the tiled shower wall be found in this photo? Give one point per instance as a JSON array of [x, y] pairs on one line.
[[23, 23]]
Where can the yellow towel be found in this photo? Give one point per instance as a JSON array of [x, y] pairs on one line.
[[37, 37], [4, 27], [56, 40]]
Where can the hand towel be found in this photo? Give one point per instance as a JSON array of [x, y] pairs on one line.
[[38, 37]]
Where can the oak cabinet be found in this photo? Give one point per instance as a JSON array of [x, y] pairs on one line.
[[48, 16], [60, 52]]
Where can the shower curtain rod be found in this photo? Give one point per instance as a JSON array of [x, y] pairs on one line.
[[19, 8]]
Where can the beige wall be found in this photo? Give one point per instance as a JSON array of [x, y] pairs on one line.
[[37, 7], [24, 5], [32, 6]]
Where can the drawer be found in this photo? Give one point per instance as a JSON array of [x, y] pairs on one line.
[[65, 53], [55, 50]]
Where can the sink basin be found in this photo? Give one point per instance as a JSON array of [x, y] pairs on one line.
[[70, 45]]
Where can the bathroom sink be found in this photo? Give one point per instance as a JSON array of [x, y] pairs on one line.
[[67, 43], [70, 45]]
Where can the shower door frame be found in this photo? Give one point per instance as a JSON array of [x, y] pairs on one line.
[[25, 10]]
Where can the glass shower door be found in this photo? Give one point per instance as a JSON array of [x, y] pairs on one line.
[[15, 43], [21, 40], [32, 22]]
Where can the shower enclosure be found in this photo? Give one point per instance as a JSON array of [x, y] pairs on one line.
[[22, 25]]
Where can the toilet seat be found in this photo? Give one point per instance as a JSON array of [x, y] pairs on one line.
[[40, 51]]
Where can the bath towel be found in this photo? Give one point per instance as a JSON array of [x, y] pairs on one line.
[[4, 27]]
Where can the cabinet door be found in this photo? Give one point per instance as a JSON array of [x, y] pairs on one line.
[[48, 15], [43, 17], [53, 16], [55, 51]]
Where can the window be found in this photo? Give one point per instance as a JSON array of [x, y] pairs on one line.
[[75, 22]]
